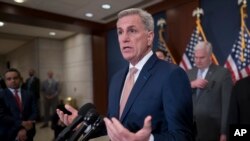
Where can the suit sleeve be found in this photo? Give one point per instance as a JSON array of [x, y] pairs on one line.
[[226, 95], [177, 102]]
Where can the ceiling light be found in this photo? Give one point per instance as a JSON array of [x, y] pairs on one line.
[[52, 34], [1, 24], [89, 15], [106, 6], [19, 1]]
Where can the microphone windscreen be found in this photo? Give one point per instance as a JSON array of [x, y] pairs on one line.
[[85, 108]]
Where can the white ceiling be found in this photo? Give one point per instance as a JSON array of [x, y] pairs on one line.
[[14, 35]]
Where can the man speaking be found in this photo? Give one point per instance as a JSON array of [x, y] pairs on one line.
[[150, 99]]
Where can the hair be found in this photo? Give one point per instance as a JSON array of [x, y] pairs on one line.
[[146, 17], [13, 70], [204, 45]]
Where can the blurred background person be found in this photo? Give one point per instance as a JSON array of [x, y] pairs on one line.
[[18, 110], [240, 102], [161, 54], [50, 93], [32, 84], [212, 86]]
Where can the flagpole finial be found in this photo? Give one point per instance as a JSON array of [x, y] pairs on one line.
[[161, 22], [198, 12], [244, 2]]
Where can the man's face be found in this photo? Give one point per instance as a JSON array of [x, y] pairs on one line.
[[50, 74], [160, 55], [135, 41], [12, 80], [31, 72], [202, 58]]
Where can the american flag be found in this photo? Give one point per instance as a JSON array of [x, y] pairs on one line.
[[187, 61], [161, 23], [238, 62], [162, 46]]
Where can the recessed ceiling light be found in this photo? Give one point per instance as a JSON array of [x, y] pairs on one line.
[[106, 6], [19, 1], [1, 24], [89, 15], [52, 34]]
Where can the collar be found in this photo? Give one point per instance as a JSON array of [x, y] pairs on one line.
[[142, 62]]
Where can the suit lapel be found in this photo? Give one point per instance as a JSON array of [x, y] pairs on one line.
[[12, 102], [118, 91], [139, 84]]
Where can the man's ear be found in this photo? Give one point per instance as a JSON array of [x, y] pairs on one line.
[[150, 38]]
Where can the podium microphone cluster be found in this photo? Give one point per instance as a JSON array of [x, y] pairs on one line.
[[88, 119]]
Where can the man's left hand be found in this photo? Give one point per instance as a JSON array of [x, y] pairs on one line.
[[117, 132]]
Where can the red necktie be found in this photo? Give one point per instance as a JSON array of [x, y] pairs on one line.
[[129, 83], [18, 100]]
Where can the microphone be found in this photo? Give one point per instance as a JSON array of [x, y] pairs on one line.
[[90, 122], [81, 114]]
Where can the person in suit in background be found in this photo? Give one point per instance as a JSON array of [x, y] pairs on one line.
[[50, 92], [240, 102], [2, 83], [156, 108], [161, 54], [32, 84], [18, 110], [212, 86]]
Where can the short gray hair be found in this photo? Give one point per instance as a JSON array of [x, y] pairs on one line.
[[146, 17], [204, 45]]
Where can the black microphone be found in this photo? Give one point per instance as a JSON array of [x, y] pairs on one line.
[[81, 114], [87, 124]]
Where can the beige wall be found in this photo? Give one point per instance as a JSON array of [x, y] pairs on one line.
[[70, 60], [23, 58], [77, 66]]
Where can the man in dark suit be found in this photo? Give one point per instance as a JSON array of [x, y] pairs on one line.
[[159, 106], [211, 95], [18, 110], [32, 84], [50, 91], [240, 102]]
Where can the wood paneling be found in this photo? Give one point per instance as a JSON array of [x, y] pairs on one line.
[[100, 81], [180, 25]]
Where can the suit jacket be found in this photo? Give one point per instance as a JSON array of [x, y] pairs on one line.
[[50, 89], [212, 105], [10, 116], [161, 90], [33, 85], [240, 102]]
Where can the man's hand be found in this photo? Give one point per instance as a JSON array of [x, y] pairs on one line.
[[22, 135], [65, 118], [27, 124], [117, 132], [223, 137], [199, 83]]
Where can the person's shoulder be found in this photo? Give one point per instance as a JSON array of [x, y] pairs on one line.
[[243, 81]]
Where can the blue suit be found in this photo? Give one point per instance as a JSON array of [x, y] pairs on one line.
[[161, 90], [11, 117]]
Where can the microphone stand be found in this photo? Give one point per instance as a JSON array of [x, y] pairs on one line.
[[84, 137]]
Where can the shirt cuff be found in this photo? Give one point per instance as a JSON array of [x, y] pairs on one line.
[[151, 138]]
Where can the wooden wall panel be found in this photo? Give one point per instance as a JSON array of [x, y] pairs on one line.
[[180, 25], [100, 81]]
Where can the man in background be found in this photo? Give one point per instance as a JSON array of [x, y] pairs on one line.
[[240, 102], [32, 85], [18, 110], [161, 54], [50, 93], [212, 86]]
